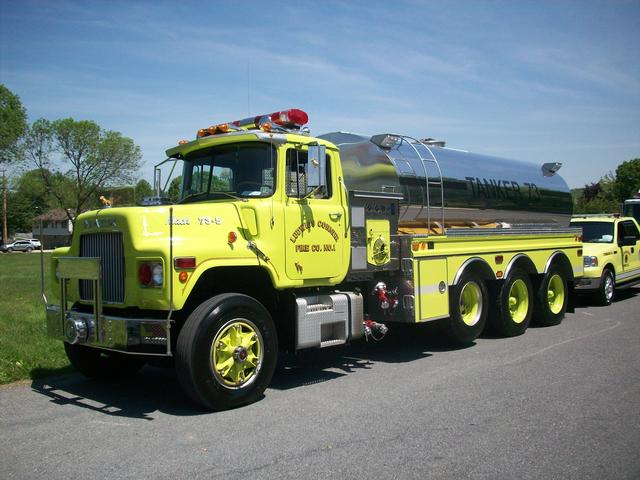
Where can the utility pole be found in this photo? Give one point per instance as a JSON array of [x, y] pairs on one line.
[[5, 235]]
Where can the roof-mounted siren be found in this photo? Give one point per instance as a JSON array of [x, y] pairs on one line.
[[550, 169]]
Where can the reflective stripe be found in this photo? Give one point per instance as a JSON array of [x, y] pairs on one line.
[[429, 289]]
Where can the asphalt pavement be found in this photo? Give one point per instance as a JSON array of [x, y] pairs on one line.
[[556, 403]]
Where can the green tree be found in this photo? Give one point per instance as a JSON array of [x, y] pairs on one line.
[[173, 192], [598, 197], [92, 159], [627, 179], [29, 198], [143, 189], [13, 124]]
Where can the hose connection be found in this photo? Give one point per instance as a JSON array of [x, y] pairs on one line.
[[373, 329]]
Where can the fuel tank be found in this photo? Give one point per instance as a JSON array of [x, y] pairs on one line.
[[453, 187]]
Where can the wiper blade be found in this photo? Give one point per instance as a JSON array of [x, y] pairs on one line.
[[229, 194], [199, 194], [192, 195]]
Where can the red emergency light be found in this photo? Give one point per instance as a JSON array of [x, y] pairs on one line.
[[292, 118]]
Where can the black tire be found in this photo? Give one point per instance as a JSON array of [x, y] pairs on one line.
[[102, 364], [468, 306], [551, 298], [29, 250], [514, 305], [9, 250], [606, 291], [200, 352]]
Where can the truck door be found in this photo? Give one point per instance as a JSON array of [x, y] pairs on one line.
[[314, 220], [630, 253]]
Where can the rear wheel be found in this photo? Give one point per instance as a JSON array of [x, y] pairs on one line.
[[468, 309], [551, 298], [226, 352], [96, 363], [606, 291], [29, 250], [514, 305]]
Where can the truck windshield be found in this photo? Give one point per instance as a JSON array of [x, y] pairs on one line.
[[595, 232], [235, 170]]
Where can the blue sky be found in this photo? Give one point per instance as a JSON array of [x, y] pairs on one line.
[[537, 81]]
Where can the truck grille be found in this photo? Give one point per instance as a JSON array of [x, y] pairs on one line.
[[108, 247]]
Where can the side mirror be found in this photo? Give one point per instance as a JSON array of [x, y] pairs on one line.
[[317, 166]]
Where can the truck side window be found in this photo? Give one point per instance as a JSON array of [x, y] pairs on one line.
[[630, 230], [296, 181]]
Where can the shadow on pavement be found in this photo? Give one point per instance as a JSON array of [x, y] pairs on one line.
[[153, 389], [157, 389]]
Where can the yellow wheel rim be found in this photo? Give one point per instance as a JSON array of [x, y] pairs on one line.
[[555, 294], [236, 353], [518, 301], [471, 303]]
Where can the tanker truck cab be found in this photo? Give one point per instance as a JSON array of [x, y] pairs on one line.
[[611, 254], [286, 191]]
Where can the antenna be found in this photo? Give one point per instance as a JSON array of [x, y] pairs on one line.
[[248, 88]]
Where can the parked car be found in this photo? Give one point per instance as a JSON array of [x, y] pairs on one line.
[[21, 246], [3, 248]]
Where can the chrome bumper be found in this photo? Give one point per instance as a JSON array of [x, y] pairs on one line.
[[96, 329], [117, 333], [587, 284]]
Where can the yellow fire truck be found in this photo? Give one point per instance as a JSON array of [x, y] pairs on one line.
[[282, 240]]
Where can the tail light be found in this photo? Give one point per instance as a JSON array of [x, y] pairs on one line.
[[151, 274]]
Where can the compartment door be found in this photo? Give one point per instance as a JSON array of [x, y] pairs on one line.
[[431, 289]]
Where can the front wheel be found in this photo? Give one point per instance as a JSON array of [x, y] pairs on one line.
[[227, 352], [551, 298], [514, 306], [468, 309], [605, 293]]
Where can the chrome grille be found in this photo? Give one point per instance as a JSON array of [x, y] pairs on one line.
[[108, 247]]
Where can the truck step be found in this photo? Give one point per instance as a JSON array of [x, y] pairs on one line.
[[332, 343]]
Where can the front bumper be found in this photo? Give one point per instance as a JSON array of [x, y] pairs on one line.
[[96, 329], [116, 333], [585, 284]]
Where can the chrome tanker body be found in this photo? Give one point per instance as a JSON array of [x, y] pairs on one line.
[[447, 187]]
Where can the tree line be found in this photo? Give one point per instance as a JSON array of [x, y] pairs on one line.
[[607, 194], [63, 163]]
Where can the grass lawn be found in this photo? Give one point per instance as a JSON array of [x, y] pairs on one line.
[[25, 349]]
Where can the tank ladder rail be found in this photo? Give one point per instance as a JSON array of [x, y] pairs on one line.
[[411, 142]]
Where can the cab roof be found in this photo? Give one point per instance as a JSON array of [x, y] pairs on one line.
[[184, 149]]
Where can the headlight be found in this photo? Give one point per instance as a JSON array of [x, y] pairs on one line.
[[590, 261]]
